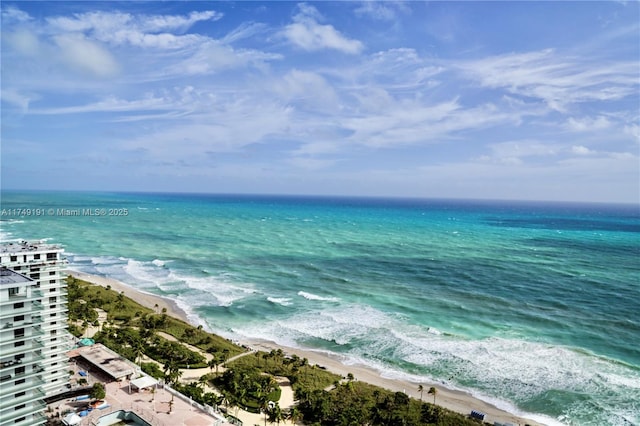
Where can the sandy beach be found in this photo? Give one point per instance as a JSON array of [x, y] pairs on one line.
[[460, 402]]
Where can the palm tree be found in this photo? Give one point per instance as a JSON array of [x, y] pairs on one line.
[[213, 363], [433, 391], [263, 402], [202, 381], [294, 415], [172, 371], [275, 413], [420, 389]]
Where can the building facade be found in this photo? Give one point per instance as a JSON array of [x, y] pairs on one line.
[[33, 320], [21, 358]]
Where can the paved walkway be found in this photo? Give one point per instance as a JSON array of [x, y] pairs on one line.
[[160, 407]]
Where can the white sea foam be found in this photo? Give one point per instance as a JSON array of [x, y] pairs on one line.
[[496, 368], [216, 291], [158, 262], [284, 301], [311, 296]]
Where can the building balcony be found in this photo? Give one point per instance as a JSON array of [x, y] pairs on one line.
[[8, 365], [35, 371], [36, 419], [35, 383], [32, 395], [32, 346], [8, 417], [60, 324], [7, 309], [31, 322], [58, 307], [30, 332], [24, 296]]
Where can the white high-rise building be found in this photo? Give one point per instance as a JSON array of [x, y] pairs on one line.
[[21, 358], [41, 318]]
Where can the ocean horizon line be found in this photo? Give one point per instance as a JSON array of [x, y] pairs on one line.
[[338, 197]]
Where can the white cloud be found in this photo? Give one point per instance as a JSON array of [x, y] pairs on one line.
[[588, 124], [24, 42], [581, 150], [212, 56], [13, 14], [80, 53], [119, 28], [111, 104], [306, 33], [412, 122], [224, 126], [245, 30], [520, 149], [158, 23], [18, 99], [558, 81], [381, 11], [633, 130], [307, 87]]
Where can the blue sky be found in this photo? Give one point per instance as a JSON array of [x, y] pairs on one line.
[[496, 100]]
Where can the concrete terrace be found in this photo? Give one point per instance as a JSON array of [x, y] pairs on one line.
[[162, 406]]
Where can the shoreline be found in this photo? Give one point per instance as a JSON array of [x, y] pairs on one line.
[[454, 400]]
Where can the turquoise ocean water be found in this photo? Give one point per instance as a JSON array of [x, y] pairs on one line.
[[534, 307]]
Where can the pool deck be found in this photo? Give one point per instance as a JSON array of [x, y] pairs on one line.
[[151, 406]]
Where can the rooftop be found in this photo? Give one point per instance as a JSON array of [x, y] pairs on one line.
[[9, 277], [106, 360], [27, 246]]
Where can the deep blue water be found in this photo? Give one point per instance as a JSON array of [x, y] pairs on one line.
[[533, 306]]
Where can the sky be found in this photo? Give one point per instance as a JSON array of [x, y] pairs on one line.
[[477, 100]]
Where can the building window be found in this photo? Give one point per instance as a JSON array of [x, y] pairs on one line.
[[52, 272], [36, 256], [52, 290], [19, 394], [52, 256], [14, 258], [52, 315], [20, 407], [19, 382], [52, 299], [19, 420], [18, 332], [18, 318], [13, 291], [20, 343], [18, 305], [20, 370], [52, 281]]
